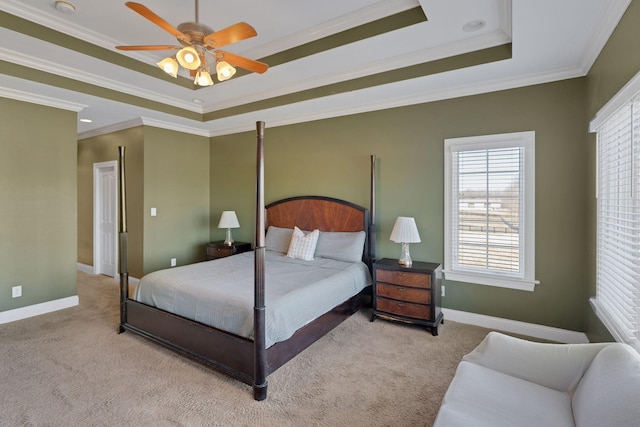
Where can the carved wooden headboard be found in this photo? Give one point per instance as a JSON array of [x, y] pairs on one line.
[[323, 213]]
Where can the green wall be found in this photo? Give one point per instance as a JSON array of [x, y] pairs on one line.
[[104, 148], [176, 183], [165, 169], [331, 157], [38, 209], [618, 62]]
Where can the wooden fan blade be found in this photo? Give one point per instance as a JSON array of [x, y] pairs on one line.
[[144, 11], [154, 47], [232, 34], [242, 62]]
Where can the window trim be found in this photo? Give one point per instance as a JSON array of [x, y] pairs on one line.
[[605, 306], [526, 140]]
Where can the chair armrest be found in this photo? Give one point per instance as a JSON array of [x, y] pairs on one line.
[[557, 366]]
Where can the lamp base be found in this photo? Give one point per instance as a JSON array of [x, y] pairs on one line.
[[229, 240], [405, 257]]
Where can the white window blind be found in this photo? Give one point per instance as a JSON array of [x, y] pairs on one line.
[[617, 299], [489, 208]]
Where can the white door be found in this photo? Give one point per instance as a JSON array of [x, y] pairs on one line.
[[105, 246]]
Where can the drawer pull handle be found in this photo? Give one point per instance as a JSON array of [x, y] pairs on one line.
[[402, 289], [400, 304]]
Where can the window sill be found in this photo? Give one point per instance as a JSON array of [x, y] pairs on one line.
[[491, 280]]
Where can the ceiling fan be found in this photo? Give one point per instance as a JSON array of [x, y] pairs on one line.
[[199, 41]]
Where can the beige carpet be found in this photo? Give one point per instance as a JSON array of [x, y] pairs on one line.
[[71, 367]]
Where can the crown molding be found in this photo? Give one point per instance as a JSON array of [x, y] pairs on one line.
[[358, 17], [612, 15], [146, 121], [116, 127], [40, 64], [378, 101], [458, 47], [175, 126], [33, 98]]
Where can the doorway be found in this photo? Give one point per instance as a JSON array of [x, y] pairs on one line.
[[105, 218]]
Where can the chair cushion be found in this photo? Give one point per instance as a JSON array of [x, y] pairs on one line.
[[609, 392], [557, 366], [480, 396]]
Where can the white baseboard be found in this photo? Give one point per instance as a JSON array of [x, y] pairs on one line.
[[37, 309], [85, 268], [89, 270], [516, 327]]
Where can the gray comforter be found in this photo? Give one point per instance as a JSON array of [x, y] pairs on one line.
[[219, 293]]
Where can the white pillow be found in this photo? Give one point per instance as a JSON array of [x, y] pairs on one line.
[[303, 246]]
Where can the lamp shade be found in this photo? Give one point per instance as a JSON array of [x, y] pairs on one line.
[[189, 58], [169, 66], [229, 220], [405, 231], [224, 70], [203, 78]]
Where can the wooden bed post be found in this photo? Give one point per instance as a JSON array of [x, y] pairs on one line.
[[123, 242], [260, 355], [372, 215]]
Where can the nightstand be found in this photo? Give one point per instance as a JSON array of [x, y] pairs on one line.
[[407, 294], [218, 249]]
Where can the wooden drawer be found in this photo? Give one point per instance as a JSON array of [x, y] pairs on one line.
[[220, 251], [403, 293], [403, 278], [401, 308]]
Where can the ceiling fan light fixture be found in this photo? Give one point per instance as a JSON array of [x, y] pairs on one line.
[[224, 70], [189, 58], [203, 78], [169, 66]]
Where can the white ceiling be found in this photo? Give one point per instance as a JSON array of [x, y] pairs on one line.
[[551, 40]]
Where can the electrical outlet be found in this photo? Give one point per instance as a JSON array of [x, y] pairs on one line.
[[173, 262], [442, 287], [16, 291]]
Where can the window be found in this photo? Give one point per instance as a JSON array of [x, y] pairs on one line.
[[489, 210], [617, 301]]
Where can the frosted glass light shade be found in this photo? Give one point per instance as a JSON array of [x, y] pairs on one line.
[[224, 70], [169, 66], [203, 78], [188, 57]]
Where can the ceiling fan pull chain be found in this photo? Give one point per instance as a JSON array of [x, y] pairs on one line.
[[197, 20]]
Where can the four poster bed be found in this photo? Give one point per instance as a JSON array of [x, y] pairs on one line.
[[221, 314]]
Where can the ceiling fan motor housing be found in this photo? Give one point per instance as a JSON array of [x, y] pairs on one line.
[[196, 32]]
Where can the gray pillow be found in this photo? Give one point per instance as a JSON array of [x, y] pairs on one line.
[[277, 239], [341, 246]]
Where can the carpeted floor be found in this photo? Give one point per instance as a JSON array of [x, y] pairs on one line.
[[71, 367]]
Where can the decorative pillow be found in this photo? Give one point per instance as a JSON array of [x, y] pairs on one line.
[[341, 246], [278, 239], [303, 246]]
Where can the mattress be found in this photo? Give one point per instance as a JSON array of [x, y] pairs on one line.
[[220, 293]]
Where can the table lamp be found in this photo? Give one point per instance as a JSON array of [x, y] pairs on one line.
[[228, 220], [405, 231]]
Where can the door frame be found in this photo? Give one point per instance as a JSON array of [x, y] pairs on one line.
[[97, 203]]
